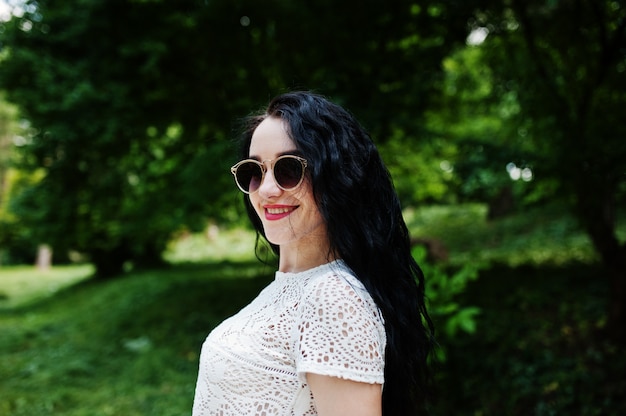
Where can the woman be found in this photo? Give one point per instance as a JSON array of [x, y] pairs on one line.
[[343, 328]]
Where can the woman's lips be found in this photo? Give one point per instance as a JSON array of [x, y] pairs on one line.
[[277, 212]]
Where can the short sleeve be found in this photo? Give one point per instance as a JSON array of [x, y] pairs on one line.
[[340, 331]]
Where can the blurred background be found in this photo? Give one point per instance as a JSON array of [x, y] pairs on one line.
[[123, 240]]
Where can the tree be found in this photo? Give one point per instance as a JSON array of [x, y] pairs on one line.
[[480, 122], [564, 60], [133, 101], [7, 122], [112, 136]]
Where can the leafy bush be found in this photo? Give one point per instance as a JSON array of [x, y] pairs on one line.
[[14, 247], [537, 349], [16, 242], [442, 291]]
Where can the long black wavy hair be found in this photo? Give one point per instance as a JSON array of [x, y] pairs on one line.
[[357, 199]]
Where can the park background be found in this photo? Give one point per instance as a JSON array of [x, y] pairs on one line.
[[502, 123]]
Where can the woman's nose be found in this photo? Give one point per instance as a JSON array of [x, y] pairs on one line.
[[268, 186]]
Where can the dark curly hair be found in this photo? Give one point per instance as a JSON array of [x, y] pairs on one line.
[[358, 202]]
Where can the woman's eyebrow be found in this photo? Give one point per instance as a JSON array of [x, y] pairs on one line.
[[294, 152]]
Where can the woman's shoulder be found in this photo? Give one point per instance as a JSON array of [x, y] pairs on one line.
[[335, 273], [327, 283], [337, 282]]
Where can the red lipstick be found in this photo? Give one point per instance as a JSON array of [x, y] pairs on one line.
[[277, 212]]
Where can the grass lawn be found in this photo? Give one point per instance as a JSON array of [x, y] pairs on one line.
[[540, 236], [129, 346], [20, 285]]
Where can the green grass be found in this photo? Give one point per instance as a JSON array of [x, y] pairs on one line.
[[20, 285], [546, 236], [128, 346], [215, 245]]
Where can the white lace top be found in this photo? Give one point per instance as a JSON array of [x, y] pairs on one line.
[[320, 321]]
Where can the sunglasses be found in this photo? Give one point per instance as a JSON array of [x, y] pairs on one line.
[[288, 173]]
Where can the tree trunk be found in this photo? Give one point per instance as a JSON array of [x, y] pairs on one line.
[[44, 257], [597, 211], [502, 204], [109, 263], [616, 320]]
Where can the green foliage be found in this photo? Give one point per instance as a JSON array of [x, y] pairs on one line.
[[571, 94], [123, 168], [133, 102], [480, 123], [537, 348], [442, 290], [13, 247], [16, 243], [555, 73], [570, 100], [420, 167], [8, 127]]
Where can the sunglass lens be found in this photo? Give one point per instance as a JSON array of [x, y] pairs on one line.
[[288, 172], [249, 176]]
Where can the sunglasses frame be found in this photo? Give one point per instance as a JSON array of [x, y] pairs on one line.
[[272, 163]]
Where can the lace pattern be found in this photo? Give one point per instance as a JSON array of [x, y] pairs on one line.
[[320, 321]]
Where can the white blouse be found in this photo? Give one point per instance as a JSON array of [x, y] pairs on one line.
[[320, 321]]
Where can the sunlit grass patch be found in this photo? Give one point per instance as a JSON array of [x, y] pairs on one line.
[[20, 285], [542, 236], [216, 244]]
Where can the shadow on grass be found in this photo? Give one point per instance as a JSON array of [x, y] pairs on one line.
[[537, 349]]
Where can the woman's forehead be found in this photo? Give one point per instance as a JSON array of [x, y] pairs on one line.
[[271, 139]]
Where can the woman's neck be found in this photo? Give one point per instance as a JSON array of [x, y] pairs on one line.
[[304, 257]]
